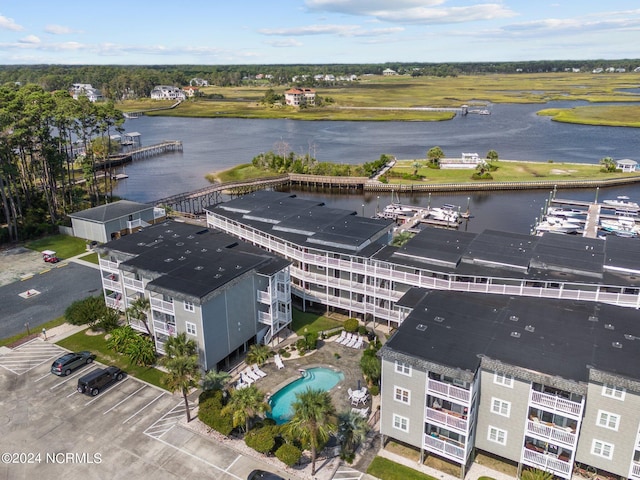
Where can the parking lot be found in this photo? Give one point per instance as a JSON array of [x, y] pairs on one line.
[[130, 430]]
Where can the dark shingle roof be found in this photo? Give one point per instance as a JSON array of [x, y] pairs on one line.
[[111, 211]]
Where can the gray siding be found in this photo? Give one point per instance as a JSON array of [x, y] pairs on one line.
[[514, 424], [416, 384], [623, 438]]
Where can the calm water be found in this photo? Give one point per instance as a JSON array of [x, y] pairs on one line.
[[514, 131], [316, 378]]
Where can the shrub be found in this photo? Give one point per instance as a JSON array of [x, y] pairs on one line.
[[286, 354], [261, 439], [288, 454], [301, 345], [374, 390], [86, 311], [362, 330], [351, 325], [121, 338], [209, 412], [311, 340]]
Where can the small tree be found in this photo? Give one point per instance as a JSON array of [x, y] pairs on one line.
[[141, 351], [608, 164], [288, 454], [215, 380], [352, 431], [492, 156], [258, 354], [416, 167], [139, 310], [245, 404], [86, 311], [434, 155], [121, 338], [181, 362]]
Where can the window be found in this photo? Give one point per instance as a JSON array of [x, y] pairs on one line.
[[608, 420], [497, 435], [403, 368], [602, 449], [191, 328], [503, 379], [402, 395], [500, 407], [188, 306], [401, 423], [613, 392]]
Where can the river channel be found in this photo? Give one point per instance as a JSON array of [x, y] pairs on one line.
[[514, 131]]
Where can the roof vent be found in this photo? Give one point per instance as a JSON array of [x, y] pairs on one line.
[[168, 260], [616, 345], [609, 326], [421, 327], [179, 244], [217, 275], [198, 267], [141, 244], [439, 319], [203, 250], [169, 231], [530, 328], [187, 251], [238, 267], [218, 249], [182, 258], [515, 334], [190, 237], [513, 318], [630, 337], [593, 318], [220, 269], [175, 235]]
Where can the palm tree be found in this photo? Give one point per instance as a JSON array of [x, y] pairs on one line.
[[352, 431], [183, 374], [313, 420], [416, 167], [244, 404], [181, 362], [138, 310], [536, 474], [141, 351], [215, 380], [258, 354], [180, 346]]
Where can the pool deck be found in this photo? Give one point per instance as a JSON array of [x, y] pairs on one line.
[[324, 356]]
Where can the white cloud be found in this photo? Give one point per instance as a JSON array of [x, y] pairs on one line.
[[59, 30], [287, 42], [340, 30], [30, 39], [9, 24], [413, 11]]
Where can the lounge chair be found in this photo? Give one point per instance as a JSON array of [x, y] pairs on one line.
[[353, 341], [342, 336], [257, 371], [359, 343], [347, 339], [246, 379], [278, 361], [251, 374]]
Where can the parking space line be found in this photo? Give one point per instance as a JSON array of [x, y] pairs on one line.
[[72, 393], [233, 463], [143, 408], [165, 422], [111, 388], [198, 458], [122, 401], [46, 375], [7, 368], [70, 377]]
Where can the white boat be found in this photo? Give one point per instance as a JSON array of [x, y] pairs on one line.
[[393, 210], [446, 213], [623, 226], [565, 212], [622, 204], [557, 225]]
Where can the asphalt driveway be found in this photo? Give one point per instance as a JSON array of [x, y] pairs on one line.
[[58, 286]]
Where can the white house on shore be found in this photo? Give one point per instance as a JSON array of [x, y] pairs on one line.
[[167, 92], [467, 160], [300, 96], [626, 165]]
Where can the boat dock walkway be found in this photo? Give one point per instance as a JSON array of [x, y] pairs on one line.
[[594, 212], [411, 217]]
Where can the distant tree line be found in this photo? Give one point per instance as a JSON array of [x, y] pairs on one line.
[[119, 82]]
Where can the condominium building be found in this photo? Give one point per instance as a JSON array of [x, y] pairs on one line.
[[225, 294], [543, 383], [343, 261]]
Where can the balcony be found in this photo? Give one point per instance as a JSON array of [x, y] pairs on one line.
[[111, 282], [164, 328], [264, 317], [447, 418], [445, 448], [264, 297], [635, 471], [547, 462], [133, 284], [107, 265], [553, 433], [115, 302], [138, 325], [555, 403], [162, 305], [449, 391]]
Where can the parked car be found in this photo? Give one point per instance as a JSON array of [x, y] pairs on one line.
[[93, 382], [70, 361], [262, 475]]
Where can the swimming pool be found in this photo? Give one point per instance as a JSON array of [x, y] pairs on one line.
[[317, 378]]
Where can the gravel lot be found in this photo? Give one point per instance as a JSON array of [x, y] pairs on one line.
[[16, 263]]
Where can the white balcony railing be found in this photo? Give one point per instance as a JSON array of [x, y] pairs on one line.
[[162, 305], [113, 285], [446, 449], [552, 433], [451, 391], [115, 303], [547, 462], [446, 419], [165, 328], [635, 471], [555, 403], [134, 284], [264, 297], [264, 317], [108, 265], [137, 325]]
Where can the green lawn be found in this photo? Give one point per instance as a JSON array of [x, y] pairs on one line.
[[91, 258], [388, 470], [64, 245], [19, 336], [98, 345], [312, 322]]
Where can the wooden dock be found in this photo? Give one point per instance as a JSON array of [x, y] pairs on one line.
[[140, 153], [594, 213]]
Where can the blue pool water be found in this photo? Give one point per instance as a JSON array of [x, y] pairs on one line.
[[316, 378]]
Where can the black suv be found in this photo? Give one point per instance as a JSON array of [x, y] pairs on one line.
[[70, 361], [93, 382]]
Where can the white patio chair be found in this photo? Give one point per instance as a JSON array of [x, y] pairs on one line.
[[350, 392], [347, 339], [246, 379], [278, 361], [257, 371], [342, 336], [353, 341], [359, 343]]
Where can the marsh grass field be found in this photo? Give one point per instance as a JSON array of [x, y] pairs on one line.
[[410, 92]]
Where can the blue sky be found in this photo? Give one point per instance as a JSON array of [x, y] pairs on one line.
[[315, 31]]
